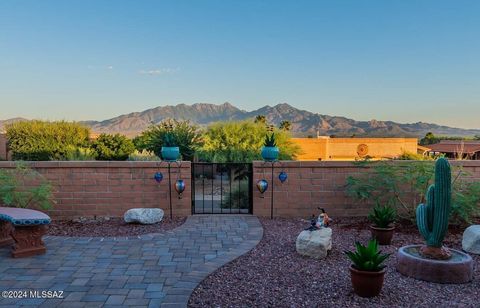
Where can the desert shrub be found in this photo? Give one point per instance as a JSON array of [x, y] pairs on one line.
[[404, 184], [24, 187], [143, 156], [42, 140], [413, 156], [242, 142], [79, 153], [112, 147], [184, 134], [237, 198]]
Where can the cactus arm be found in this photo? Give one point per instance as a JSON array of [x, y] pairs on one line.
[[422, 223]]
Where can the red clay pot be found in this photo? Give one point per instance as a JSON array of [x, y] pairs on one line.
[[367, 284], [382, 235]]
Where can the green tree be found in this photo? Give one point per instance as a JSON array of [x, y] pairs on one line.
[[429, 138], [261, 119], [43, 140], [476, 137], [285, 125], [242, 142], [186, 135], [112, 147]]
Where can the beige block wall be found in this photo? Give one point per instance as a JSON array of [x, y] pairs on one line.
[[346, 148]]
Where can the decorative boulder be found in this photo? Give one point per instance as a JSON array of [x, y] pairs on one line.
[[314, 244], [143, 216], [471, 239]]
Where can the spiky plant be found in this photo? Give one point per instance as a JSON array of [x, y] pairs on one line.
[[169, 140], [270, 140], [382, 216], [367, 258], [432, 218]]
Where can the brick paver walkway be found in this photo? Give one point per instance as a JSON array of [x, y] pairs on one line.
[[155, 270]]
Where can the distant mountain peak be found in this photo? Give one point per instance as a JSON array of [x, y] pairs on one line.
[[303, 122]]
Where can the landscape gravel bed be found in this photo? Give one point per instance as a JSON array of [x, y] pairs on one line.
[[110, 227], [274, 275]]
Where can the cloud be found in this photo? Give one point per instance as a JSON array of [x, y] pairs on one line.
[[159, 71]]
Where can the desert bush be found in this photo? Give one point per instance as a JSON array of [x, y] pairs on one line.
[[143, 156], [184, 134], [24, 187], [403, 185], [242, 142], [237, 198], [42, 140], [112, 147]]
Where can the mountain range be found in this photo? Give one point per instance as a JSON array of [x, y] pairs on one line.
[[304, 123]]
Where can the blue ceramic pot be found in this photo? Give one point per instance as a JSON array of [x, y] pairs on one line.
[[270, 153], [170, 153]]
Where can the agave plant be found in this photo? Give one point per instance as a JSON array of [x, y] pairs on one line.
[[382, 216], [270, 140], [169, 140], [367, 258]]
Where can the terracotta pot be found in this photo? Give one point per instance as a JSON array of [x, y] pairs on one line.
[[382, 235], [367, 284]]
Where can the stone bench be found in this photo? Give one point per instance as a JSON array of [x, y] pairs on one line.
[[24, 229]]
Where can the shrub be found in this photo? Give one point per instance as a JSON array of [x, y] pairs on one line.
[[24, 188], [79, 153], [112, 147], [382, 216], [41, 140], [237, 198], [403, 185], [242, 141], [143, 156], [367, 258], [181, 133]]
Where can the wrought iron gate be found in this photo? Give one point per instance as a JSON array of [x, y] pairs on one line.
[[222, 188]]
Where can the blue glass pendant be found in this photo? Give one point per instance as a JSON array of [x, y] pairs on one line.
[[180, 187], [158, 177], [282, 176], [262, 186]]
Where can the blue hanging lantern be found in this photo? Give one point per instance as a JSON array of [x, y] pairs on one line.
[[158, 177], [180, 187], [262, 186], [282, 176]]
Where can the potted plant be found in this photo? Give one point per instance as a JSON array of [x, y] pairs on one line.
[[270, 150], [367, 271], [382, 218], [170, 151]]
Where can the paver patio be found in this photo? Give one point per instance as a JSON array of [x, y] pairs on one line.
[[155, 270]]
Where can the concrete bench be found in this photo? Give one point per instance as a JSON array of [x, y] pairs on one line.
[[24, 229]]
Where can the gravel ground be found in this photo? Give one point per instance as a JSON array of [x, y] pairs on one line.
[[110, 227], [274, 275]]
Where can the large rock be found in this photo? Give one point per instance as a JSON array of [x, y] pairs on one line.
[[314, 244], [143, 216], [471, 239]]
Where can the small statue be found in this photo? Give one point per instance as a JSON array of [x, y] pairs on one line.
[[322, 221]]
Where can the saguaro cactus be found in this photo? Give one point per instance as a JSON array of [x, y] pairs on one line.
[[432, 218]]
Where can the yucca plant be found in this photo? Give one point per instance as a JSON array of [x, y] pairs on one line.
[[382, 216], [367, 258], [270, 140]]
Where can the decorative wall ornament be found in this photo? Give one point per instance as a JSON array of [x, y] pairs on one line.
[[262, 186], [158, 177], [362, 150], [282, 176], [180, 187]]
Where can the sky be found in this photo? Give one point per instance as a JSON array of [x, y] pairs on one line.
[[400, 60]]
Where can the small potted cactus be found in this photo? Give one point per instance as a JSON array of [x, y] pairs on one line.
[[367, 271], [270, 150], [382, 228], [170, 150]]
